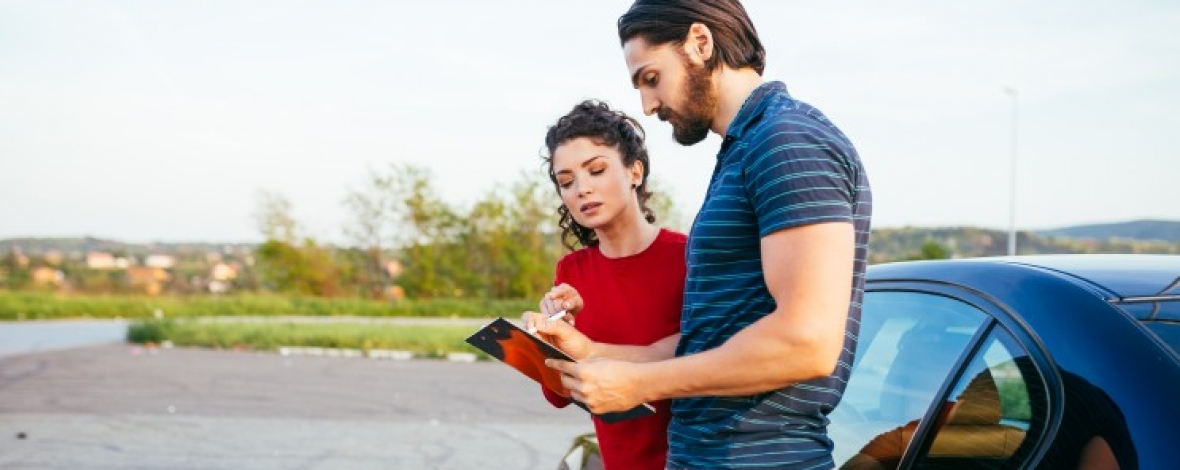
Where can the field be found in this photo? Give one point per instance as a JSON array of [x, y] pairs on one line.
[[48, 306]]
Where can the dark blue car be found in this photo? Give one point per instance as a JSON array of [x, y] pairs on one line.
[[1050, 362], [1059, 362]]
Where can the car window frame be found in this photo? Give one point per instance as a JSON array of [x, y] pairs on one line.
[[997, 315]]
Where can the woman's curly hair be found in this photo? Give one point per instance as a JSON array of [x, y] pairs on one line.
[[596, 120]]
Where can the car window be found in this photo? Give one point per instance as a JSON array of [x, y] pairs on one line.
[[989, 412], [908, 343]]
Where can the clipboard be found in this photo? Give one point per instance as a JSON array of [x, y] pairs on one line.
[[526, 353]]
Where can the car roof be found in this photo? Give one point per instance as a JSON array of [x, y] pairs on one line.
[[1125, 276], [1114, 277]]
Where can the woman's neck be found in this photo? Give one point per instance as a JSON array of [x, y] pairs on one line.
[[626, 237]]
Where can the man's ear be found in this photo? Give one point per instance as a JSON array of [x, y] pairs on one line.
[[698, 43]]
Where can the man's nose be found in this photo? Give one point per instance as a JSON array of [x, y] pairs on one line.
[[650, 104]]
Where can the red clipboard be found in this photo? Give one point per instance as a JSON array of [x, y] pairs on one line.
[[526, 353]]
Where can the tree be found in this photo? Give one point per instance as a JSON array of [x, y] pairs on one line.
[[664, 207], [533, 224], [373, 227], [273, 216], [932, 250], [429, 227], [287, 262], [14, 274]]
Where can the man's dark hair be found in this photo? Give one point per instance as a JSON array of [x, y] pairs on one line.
[[736, 43], [605, 126]]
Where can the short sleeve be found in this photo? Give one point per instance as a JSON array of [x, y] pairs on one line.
[[560, 275], [795, 174]]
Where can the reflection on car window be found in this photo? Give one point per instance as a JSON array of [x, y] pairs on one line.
[[990, 410], [908, 344]]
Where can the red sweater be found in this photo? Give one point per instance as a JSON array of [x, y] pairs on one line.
[[631, 300]]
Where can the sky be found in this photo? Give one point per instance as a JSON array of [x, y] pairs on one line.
[[163, 120]]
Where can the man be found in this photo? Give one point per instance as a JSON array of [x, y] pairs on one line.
[[776, 256]]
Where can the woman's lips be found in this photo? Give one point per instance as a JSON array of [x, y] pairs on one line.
[[590, 207]]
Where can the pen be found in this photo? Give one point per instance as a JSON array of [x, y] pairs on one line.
[[556, 316]]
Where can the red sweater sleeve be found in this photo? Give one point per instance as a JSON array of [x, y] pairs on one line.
[[555, 399]]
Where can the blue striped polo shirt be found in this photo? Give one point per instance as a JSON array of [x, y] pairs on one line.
[[782, 165]]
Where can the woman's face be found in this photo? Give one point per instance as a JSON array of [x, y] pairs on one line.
[[594, 183]]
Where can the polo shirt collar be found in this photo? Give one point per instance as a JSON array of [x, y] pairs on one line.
[[753, 108]]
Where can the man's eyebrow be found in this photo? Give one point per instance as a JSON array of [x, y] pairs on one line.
[[635, 76]]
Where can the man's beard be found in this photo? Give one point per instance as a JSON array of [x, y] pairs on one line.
[[693, 125]]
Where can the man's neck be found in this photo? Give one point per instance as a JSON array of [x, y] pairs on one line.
[[733, 87]]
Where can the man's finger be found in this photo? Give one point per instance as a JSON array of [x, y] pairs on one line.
[[565, 367]]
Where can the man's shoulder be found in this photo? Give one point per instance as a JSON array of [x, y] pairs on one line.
[[787, 118]]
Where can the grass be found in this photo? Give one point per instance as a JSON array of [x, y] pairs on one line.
[[49, 306], [422, 340]]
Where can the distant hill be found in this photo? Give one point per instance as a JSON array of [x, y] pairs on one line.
[[1144, 230], [886, 244], [893, 244]]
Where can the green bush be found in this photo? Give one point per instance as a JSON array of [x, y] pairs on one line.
[[47, 306], [423, 340], [150, 331]]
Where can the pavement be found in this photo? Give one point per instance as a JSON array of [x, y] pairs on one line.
[[120, 406]]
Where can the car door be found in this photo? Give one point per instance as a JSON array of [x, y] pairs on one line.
[[938, 382]]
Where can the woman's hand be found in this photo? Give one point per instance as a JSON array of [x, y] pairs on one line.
[[562, 297]]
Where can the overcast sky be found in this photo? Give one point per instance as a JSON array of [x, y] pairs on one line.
[[161, 121]]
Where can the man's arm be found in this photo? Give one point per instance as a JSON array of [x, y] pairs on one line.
[[658, 351], [808, 271], [578, 346]]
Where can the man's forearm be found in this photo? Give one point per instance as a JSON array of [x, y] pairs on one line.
[[658, 351], [761, 358]]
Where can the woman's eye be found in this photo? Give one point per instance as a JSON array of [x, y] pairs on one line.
[[596, 171], [651, 80], [564, 184]]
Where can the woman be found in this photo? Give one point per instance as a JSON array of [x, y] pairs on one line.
[[620, 261]]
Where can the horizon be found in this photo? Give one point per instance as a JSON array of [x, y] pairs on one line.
[[163, 121], [345, 243]]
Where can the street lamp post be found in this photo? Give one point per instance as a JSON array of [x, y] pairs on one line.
[[1010, 91]]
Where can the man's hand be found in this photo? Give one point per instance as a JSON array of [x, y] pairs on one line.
[[603, 385], [560, 334]]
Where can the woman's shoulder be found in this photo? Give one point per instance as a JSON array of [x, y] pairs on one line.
[[669, 244], [581, 255], [671, 237]]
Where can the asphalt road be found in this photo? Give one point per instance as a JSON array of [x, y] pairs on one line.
[[123, 407]]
